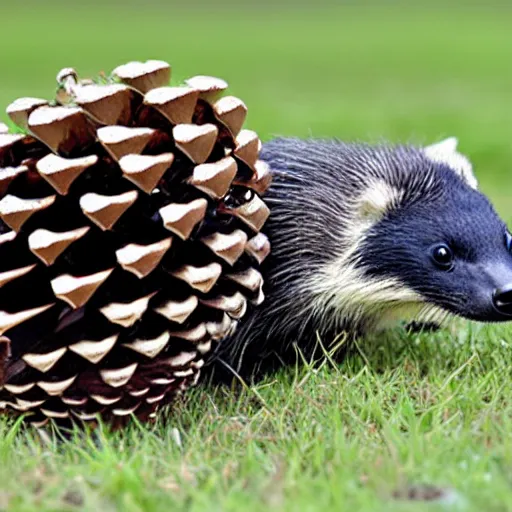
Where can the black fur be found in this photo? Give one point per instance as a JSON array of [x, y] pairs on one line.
[[464, 219], [311, 198]]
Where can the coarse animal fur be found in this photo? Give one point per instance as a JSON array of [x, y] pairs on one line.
[[353, 227]]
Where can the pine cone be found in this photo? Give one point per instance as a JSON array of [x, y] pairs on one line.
[[129, 241]]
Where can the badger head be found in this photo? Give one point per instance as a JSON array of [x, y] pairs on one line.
[[422, 244]]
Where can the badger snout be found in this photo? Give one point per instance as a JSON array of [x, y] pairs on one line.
[[502, 300]]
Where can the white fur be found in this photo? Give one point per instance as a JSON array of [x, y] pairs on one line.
[[378, 198], [445, 152], [343, 293]]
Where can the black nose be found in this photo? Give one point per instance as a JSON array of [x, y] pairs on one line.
[[502, 299]]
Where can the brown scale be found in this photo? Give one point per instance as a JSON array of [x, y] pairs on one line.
[[131, 211]]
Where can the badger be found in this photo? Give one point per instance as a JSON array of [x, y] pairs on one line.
[[367, 236]]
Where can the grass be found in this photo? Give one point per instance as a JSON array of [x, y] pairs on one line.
[[404, 411]]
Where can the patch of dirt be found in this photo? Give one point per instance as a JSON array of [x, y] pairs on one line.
[[423, 492], [73, 497]]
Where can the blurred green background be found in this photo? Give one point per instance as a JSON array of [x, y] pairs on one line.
[[408, 72], [399, 71]]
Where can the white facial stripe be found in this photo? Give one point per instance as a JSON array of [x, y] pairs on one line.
[[342, 292], [378, 198]]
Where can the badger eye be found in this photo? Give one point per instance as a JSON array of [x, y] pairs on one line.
[[442, 256], [508, 241]]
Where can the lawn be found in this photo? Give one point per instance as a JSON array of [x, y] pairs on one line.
[[407, 422]]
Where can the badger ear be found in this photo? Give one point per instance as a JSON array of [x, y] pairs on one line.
[[376, 200], [445, 152]]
